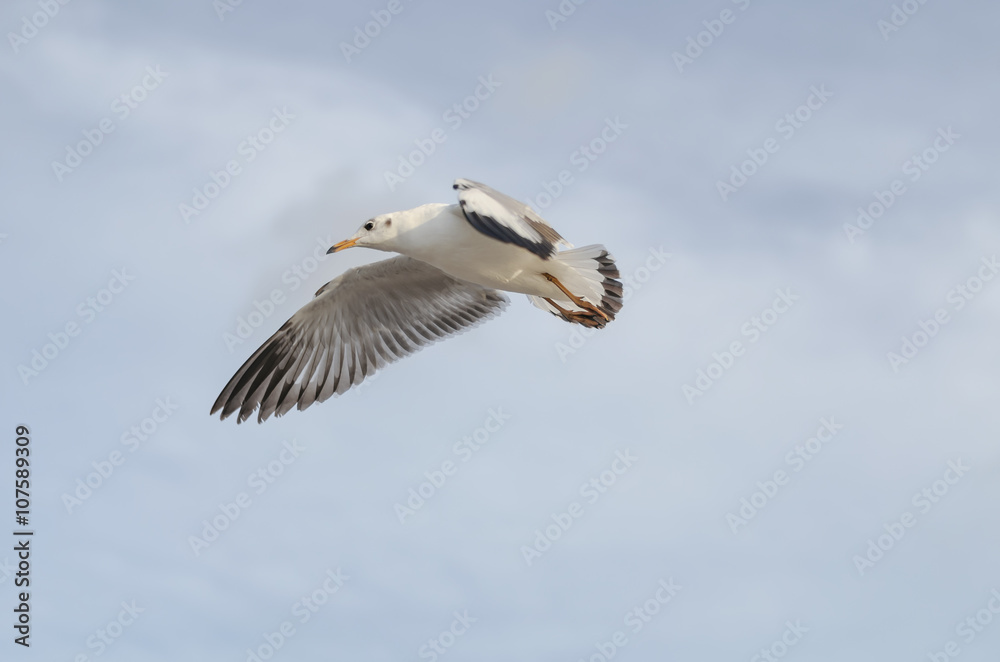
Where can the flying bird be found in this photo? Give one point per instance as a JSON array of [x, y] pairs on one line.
[[455, 261]]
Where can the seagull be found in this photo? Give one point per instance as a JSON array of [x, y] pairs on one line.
[[455, 263]]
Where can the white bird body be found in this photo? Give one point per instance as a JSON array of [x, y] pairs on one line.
[[439, 235], [455, 263]]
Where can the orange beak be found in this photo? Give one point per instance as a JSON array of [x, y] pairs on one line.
[[347, 243]]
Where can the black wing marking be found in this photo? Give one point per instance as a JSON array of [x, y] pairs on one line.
[[503, 218]]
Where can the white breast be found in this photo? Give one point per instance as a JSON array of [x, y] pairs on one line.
[[451, 244]]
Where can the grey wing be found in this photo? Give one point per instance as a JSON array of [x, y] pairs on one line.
[[362, 320], [502, 217]]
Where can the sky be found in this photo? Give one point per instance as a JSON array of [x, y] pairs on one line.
[[784, 447]]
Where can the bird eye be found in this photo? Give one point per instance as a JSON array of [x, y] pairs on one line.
[[369, 225]]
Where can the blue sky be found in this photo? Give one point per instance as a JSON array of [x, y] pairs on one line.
[[759, 356]]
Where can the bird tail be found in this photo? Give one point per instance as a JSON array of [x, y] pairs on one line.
[[589, 273]]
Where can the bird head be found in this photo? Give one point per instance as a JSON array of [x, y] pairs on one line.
[[377, 233]]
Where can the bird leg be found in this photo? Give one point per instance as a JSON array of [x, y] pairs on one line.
[[586, 305], [586, 319]]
